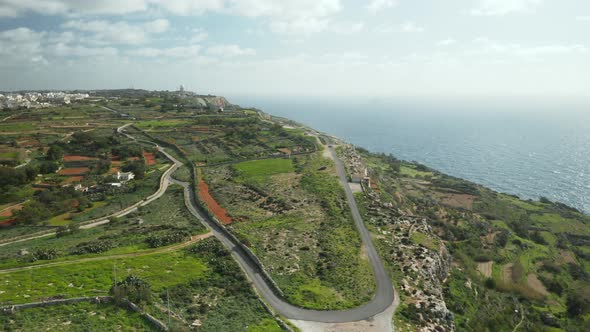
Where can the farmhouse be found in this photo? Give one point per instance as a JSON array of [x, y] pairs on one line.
[[125, 176]]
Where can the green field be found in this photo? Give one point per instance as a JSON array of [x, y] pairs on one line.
[[258, 170], [9, 155], [95, 278], [75, 317], [151, 124], [126, 235], [313, 251], [411, 171]]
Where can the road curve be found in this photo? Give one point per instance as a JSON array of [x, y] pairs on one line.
[[384, 295]]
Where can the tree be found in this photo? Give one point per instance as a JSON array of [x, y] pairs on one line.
[[132, 288], [137, 167], [55, 153], [576, 304]]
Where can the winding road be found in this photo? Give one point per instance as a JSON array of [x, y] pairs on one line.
[[384, 295], [266, 288]]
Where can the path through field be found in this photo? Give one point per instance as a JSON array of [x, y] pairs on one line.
[[194, 239]]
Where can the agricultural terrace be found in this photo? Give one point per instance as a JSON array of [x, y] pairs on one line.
[[75, 179], [58, 170], [200, 282], [518, 255], [75, 317], [164, 222]]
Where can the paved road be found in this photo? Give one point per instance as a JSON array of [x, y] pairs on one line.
[[384, 295], [164, 183]]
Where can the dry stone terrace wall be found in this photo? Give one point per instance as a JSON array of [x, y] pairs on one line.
[[423, 268]]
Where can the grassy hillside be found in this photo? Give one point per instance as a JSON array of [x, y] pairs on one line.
[[512, 260]]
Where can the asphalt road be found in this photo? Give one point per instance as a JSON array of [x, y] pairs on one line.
[[384, 295]]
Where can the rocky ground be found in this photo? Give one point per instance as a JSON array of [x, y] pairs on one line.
[[419, 261]]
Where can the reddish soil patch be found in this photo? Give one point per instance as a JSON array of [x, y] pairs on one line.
[[150, 158], [133, 158], [73, 179], [78, 158], [29, 143], [9, 210], [114, 170], [6, 223], [74, 171], [116, 163], [212, 204]]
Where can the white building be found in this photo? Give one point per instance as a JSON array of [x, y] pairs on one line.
[[125, 176]]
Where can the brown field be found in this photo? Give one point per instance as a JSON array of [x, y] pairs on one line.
[[566, 256], [9, 210], [212, 204], [72, 179], [78, 158], [457, 200], [150, 158], [536, 284], [485, 268], [507, 273], [74, 171]]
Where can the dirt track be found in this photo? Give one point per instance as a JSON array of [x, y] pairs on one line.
[[194, 238]]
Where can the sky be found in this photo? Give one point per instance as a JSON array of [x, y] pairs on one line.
[[411, 48]]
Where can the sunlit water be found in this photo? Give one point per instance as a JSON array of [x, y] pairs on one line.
[[527, 150]]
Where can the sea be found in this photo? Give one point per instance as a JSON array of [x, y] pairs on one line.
[[529, 147]]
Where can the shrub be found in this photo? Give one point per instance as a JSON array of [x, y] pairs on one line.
[[490, 283], [46, 253], [67, 230], [92, 247], [133, 289], [167, 238]]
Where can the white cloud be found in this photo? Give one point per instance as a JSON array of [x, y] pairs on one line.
[[489, 47], [346, 28], [446, 42], [230, 51], [65, 50], [305, 25], [14, 8], [285, 9], [412, 27], [189, 7], [290, 17], [157, 26], [504, 7], [175, 52], [106, 32], [20, 46], [198, 35], [375, 6]]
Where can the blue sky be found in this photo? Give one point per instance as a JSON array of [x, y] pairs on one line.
[[428, 48]]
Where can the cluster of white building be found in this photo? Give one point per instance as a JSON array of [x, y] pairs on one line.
[[38, 99]]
